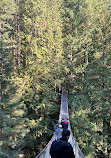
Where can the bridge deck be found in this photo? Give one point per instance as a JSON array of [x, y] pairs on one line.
[[63, 115], [64, 107]]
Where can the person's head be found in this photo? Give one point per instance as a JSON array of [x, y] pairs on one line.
[[66, 134], [59, 126], [62, 120]]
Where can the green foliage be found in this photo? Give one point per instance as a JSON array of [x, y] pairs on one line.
[[88, 57], [38, 68], [3, 155], [6, 46], [44, 46]]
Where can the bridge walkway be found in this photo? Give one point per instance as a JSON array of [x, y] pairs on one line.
[[63, 115]]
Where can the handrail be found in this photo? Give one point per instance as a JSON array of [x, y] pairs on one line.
[[76, 149], [63, 115], [42, 153]]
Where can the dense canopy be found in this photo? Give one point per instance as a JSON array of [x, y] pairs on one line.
[[45, 46]]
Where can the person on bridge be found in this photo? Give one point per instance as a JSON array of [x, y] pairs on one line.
[[62, 148], [58, 130], [65, 124]]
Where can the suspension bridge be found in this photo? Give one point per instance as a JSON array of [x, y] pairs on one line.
[[63, 115]]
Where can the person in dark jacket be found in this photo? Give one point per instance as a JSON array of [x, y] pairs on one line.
[[64, 124], [62, 148]]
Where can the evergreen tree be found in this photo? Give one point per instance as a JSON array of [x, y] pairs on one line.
[[94, 136], [45, 45]]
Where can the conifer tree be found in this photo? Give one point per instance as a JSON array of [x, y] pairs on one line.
[[91, 84]]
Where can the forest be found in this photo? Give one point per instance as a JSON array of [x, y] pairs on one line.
[[47, 45]]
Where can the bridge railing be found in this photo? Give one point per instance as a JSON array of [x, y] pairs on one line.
[[78, 153], [45, 152], [63, 115]]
